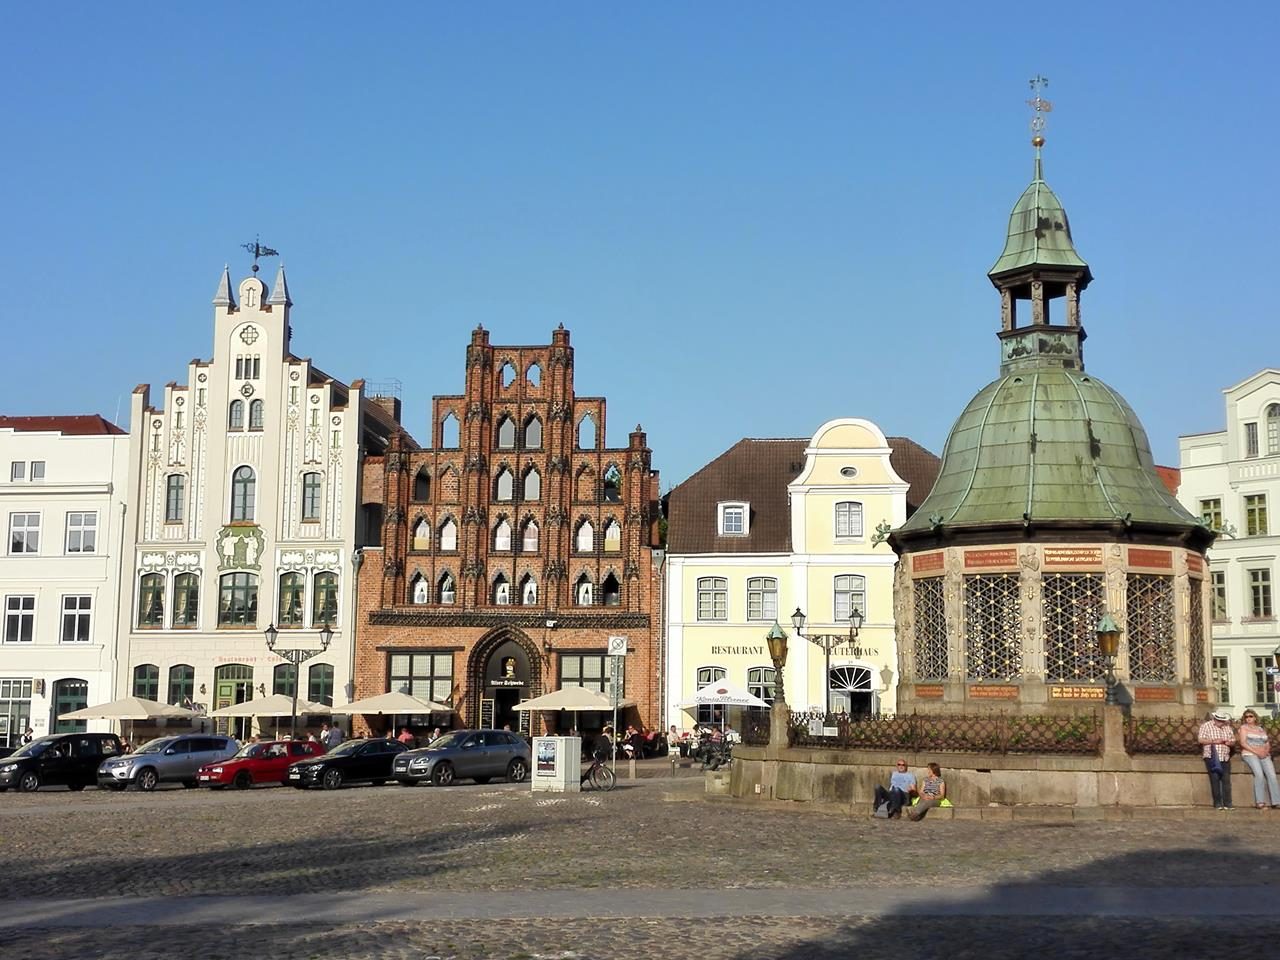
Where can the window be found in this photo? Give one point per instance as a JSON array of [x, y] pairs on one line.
[[1260, 594], [761, 682], [848, 520], [37, 469], [505, 485], [448, 535], [448, 589], [611, 591], [175, 496], [422, 486], [850, 595], [1218, 584], [501, 590], [587, 433], [182, 684], [533, 433], [256, 414], [19, 619], [506, 434], [425, 675], [762, 598], [529, 591], [1255, 515], [292, 587], [613, 536], [320, 684], [612, 484], [235, 415], [584, 591], [324, 599], [282, 678], [850, 690], [533, 376], [82, 532], [713, 598], [310, 496], [242, 493], [76, 612], [18, 470], [706, 712], [24, 533], [449, 431], [502, 535], [593, 671], [1250, 439], [507, 375], [529, 537], [1273, 429], [1211, 513], [151, 600], [69, 695], [186, 601], [1221, 679], [734, 519], [585, 540], [421, 535], [146, 681], [419, 589], [1264, 689], [532, 485], [238, 600]]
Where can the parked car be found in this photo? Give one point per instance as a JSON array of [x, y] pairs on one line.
[[478, 755], [257, 763], [70, 759], [166, 760], [352, 761]]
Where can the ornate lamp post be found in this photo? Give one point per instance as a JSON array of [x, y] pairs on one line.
[[297, 656], [777, 640], [1108, 634], [828, 642]]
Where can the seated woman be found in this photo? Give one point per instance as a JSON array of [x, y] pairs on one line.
[[932, 792]]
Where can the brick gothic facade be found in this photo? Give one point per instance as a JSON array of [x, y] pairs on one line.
[[512, 549]]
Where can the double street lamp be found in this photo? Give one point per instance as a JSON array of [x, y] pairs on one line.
[[828, 642], [297, 656]]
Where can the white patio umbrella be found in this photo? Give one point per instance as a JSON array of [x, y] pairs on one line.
[[131, 709], [572, 697], [722, 694], [277, 705], [393, 704]]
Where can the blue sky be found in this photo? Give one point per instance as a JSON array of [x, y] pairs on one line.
[[752, 217]]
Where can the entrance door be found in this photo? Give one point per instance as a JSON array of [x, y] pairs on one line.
[[233, 683], [851, 691], [69, 695], [507, 679], [504, 709]]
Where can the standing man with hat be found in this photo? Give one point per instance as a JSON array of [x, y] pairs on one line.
[[1216, 737]]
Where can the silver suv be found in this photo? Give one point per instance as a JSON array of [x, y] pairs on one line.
[[168, 759]]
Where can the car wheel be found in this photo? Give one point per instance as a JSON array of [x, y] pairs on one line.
[[482, 779], [243, 780], [332, 779], [29, 782], [517, 770], [75, 787], [188, 784], [148, 779], [442, 775]]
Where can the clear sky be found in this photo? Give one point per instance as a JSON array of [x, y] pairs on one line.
[[752, 217]]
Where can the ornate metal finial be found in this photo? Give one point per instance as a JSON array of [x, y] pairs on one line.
[[1041, 106], [259, 250]]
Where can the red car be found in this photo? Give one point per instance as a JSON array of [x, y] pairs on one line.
[[257, 763]]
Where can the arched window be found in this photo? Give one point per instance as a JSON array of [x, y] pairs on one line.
[[850, 595], [533, 434], [422, 535], [504, 487], [533, 376], [422, 485], [182, 684], [320, 684], [449, 535], [151, 600], [612, 483], [282, 678], [532, 487], [238, 600], [324, 599], [851, 690], [292, 590], [146, 681], [1273, 429], [235, 415], [713, 598], [502, 535], [449, 431], [848, 520], [311, 496], [501, 590], [762, 682], [707, 713], [585, 540], [506, 433], [506, 375], [529, 537], [242, 495], [587, 432], [612, 536], [529, 591], [448, 589], [257, 413], [419, 589], [611, 591], [584, 591], [762, 598]]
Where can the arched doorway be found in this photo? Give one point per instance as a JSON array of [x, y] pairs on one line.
[[505, 669], [233, 683], [69, 695], [852, 691]]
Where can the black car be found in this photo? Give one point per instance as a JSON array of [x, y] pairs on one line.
[[68, 759], [353, 761]]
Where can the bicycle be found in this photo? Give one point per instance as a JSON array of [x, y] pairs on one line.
[[600, 776]]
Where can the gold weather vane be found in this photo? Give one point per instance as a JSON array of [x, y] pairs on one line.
[[1041, 106]]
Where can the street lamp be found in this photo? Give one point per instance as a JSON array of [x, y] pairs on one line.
[[777, 640], [828, 642], [1109, 646], [297, 656]]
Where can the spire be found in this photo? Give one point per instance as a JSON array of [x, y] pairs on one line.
[[222, 298], [280, 292]]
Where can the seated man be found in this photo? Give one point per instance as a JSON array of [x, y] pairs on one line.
[[902, 784]]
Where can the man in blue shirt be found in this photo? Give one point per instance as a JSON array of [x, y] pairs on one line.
[[902, 784]]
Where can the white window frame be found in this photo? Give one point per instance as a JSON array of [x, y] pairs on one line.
[[79, 607], [17, 471], [27, 530], [705, 712], [91, 527], [20, 606], [36, 470], [851, 592], [763, 587], [713, 586], [849, 535], [728, 508]]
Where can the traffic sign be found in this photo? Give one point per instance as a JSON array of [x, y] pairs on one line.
[[617, 646]]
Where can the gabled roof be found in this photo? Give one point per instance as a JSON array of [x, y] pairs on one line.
[[86, 425]]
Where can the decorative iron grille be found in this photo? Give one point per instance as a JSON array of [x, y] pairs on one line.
[[1196, 633], [997, 733], [755, 729], [992, 618], [1073, 605], [1163, 735], [931, 630], [1150, 616]]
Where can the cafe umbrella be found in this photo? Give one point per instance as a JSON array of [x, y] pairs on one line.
[[131, 709], [393, 704], [277, 705], [724, 695]]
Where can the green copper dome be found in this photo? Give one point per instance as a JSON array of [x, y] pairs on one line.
[[1039, 233]]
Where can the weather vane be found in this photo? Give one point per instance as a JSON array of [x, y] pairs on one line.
[[259, 250], [1041, 106]]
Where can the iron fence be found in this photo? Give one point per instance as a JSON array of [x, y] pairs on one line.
[[995, 733], [1180, 735], [755, 729]]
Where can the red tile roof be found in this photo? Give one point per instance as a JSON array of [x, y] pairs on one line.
[[1171, 477], [88, 425]]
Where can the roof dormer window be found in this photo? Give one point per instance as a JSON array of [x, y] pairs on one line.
[[734, 519]]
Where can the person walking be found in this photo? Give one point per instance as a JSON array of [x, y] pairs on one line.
[[933, 790], [1255, 751], [1216, 737]]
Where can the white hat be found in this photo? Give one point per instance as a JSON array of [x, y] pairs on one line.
[[1221, 715]]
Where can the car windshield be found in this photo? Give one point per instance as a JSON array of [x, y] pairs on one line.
[[157, 746], [34, 748], [346, 747], [250, 750], [449, 740]]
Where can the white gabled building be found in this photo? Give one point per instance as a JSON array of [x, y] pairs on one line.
[[246, 485], [1231, 480], [62, 492]]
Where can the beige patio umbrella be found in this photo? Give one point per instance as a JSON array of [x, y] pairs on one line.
[[572, 697], [131, 709], [277, 705], [393, 704]]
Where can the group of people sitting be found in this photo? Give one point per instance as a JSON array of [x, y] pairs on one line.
[[918, 797]]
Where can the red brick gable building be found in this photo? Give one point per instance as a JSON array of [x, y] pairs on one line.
[[512, 548]]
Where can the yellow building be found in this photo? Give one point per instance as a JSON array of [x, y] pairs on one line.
[[770, 526]]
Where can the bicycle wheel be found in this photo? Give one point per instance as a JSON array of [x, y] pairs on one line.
[[602, 778]]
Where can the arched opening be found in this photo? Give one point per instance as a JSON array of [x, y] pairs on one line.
[[504, 486], [507, 375], [242, 495], [503, 670], [612, 484], [422, 485], [533, 434], [852, 692], [502, 535], [587, 432], [533, 376], [612, 536], [532, 486], [584, 591], [419, 589], [257, 414], [611, 591], [449, 535], [1273, 429], [448, 589], [449, 432], [501, 590], [529, 537], [235, 415], [506, 434], [584, 541], [422, 535], [182, 685], [528, 591]]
